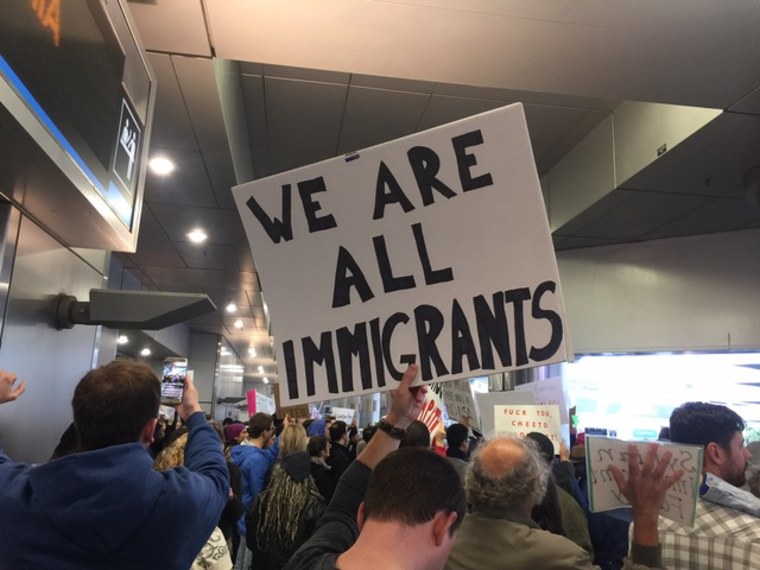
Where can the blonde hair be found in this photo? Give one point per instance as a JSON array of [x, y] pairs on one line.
[[172, 455], [279, 508], [293, 438]]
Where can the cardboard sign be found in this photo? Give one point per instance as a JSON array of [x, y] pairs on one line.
[[549, 391], [681, 500], [457, 396], [520, 420], [434, 248]]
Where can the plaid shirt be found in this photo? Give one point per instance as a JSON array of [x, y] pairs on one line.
[[722, 539]]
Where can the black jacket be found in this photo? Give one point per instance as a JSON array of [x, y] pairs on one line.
[[340, 459], [323, 479]]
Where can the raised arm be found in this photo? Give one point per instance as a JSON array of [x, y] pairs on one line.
[[646, 488]]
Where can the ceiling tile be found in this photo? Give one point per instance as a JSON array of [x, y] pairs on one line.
[[203, 278], [222, 175], [547, 126], [198, 84], [375, 116], [578, 132], [161, 253], [188, 184], [748, 104], [176, 26], [712, 162], [392, 84], [222, 226], [222, 298], [171, 123], [444, 109], [717, 215], [287, 157], [254, 104], [305, 74], [304, 114], [150, 229], [207, 256], [579, 242], [598, 210], [640, 215], [261, 162]]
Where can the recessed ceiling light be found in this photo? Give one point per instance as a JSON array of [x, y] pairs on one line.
[[231, 307], [123, 339], [252, 352], [197, 236], [145, 352], [238, 324], [265, 380], [261, 370], [161, 165]]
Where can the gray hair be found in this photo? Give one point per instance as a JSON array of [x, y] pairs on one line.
[[522, 486]]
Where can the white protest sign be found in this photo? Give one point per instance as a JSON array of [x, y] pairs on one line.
[[681, 500], [457, 396], [549, 391], [431, 413], [434, 248], [521, 420], [343, 414]]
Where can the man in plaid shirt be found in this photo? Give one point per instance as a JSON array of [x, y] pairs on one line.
[[725, 535]]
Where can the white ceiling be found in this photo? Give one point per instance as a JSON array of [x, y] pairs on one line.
[[318, 79]]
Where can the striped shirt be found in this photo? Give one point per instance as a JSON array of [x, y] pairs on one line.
[[722, 539]]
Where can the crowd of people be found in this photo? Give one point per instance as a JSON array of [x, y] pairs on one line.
[[126, 488]]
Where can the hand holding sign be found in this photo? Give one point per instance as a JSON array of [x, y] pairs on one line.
[[646, 488]]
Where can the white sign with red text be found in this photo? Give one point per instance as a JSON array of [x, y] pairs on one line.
[[520, 420]]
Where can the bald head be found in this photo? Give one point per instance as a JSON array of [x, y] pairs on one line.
[[507, 473], [500, 456]]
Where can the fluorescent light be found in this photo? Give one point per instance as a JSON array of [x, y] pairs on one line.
[[251, 352], [231, 307], [123, 339], [261, 370], [265, 380], [161, 165], [238, 324], [145, 352], [197, 235]]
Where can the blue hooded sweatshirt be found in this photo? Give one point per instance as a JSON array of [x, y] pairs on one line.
[[254, 464], [109, 509]]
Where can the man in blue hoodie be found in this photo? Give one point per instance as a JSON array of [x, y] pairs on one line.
[[254, 456], [104, 506]]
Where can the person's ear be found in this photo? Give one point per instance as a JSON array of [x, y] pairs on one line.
[[441, 524], [360, 516], [148, 431], [714, 453]]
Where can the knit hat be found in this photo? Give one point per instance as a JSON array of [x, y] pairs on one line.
[[297, 465], [233, 431]]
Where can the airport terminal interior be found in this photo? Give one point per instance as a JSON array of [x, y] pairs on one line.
[[644, 124]]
